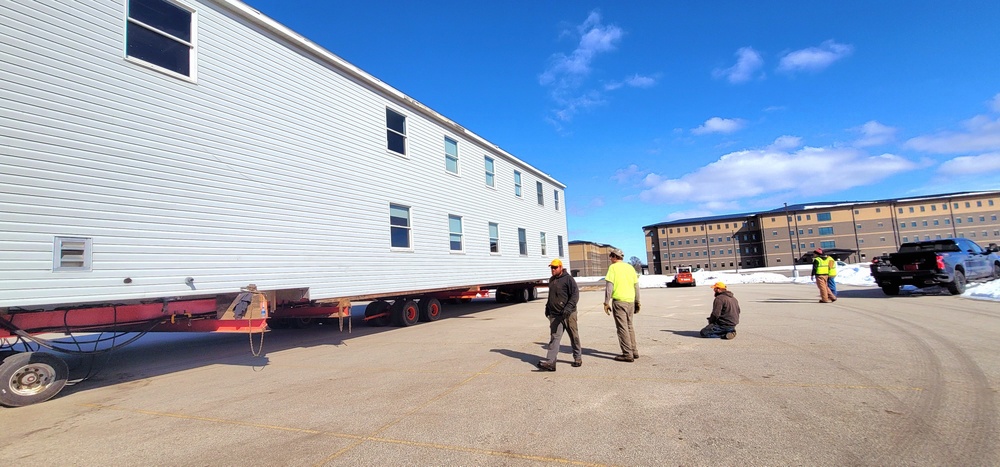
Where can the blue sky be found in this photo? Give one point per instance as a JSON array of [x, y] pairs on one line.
[[659, 110]]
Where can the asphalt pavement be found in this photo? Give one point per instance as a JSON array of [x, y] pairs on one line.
[[867, 380]]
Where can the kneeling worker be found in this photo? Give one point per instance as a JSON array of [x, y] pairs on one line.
[[725, 314]]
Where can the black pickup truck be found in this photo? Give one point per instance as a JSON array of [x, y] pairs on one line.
[[947, 262]]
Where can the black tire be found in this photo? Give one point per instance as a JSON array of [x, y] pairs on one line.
[[532, 293], [31, 377], [405, 313], [891, 289], [302, 323], [375, 308], [430, 309], [996, 271], [521, 295], [694, 284], [957, 286]]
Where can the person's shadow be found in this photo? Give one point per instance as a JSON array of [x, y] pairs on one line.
[[533, 359], [685, 333]]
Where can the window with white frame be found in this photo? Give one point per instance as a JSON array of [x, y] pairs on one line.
[[72, 254], [559, 240], [451, 155], [161, 33], [399, 225], [522, 242], [494, 238], [517, 184], [541, 241], [555, 194], [395, 131], [541, 194], [455, 233], [490, 172]]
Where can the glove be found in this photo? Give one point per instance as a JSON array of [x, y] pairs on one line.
[[636, 307], [607, 309]]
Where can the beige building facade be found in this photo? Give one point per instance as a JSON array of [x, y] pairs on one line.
[[589, 259], [856, 231]]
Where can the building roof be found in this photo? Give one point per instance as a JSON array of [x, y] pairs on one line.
[[817, 205]]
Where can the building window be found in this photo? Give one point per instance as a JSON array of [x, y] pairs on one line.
[[936, 222], [933, 207], [958, 220], [828, 244], [72, 254], [947, 222], [490, 174], [911, 208], [559, 240], [924, 223], [541, 195], [161, 33], [913, 224], [541, 241], [494, 238], [823, 216], [900, 210], [555, 194], [967, 204], [858, 226], [979, 204], [451, 155], [517, 184], [774, 233], [455, 233], [826, 230], [902, 225], [906, 239], [878, 209], [522, 242], [922, 209], [399, 225], [881, 239], [395, 131]]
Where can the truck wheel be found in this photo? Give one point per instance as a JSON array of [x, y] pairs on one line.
[[31, 377], [376, 308], [996, 271], [532, 293], [405, 313], [957, 286], [891, 289], [430, 309]]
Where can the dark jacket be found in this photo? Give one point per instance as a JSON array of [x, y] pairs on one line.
[[725, 309], [563, 295]]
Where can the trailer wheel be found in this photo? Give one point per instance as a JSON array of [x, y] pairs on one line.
[[532, 293], [891, 289], [377, 307], [31, 377], [405, 313], [430, 309], [522, 295], [957, 286]]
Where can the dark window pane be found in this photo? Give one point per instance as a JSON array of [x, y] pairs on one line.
[[154, 48], [395, 121], [396, 142], [162, 15], [400, 237]]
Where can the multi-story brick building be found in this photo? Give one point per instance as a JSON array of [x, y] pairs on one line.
[[589, 259], [858, 230]]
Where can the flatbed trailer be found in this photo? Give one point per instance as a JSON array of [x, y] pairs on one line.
[[28, 377]]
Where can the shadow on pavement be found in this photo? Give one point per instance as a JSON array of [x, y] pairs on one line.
[[684, 333]]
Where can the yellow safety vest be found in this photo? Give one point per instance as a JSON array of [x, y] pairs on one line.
[[822, 266], [832, 267]]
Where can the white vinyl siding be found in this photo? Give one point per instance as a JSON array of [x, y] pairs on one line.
[[272, 170]]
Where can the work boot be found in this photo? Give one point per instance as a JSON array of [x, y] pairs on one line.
[[544, 365], [578, 363], [624, 358], [635, 356], [730, 335]]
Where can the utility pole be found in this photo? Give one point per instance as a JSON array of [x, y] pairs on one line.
[[791, 244]]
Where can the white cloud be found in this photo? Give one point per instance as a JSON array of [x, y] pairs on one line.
[[873, 134], [980, 134], [744, 174], [627, 174], [567, 73], [719, 125], [972, 165], [748, 61], [814, 58], [785, 142], [634, 81]]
